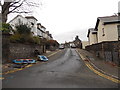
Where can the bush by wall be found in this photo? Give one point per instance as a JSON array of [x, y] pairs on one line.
[[23, 35]]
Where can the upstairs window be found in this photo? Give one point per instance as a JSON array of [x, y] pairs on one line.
[[32, 23], [19, 21], [103, 32], [118, 32]]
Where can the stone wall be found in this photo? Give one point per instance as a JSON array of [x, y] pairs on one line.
[[5, 47], [109, 51], [11, 51]]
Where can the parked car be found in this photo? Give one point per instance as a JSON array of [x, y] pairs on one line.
[[61, 47], [73, 45], [42, 58]]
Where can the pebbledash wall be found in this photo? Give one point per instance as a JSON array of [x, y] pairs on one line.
[[109, 51], [11, 51]]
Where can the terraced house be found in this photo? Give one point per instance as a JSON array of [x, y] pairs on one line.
[[104, 39], [36, 28], [31, 21], [92, 36], [108, 28]]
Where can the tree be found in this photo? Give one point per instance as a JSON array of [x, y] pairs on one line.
[[6, 28], [22, 34], [53, 43], [23, 29], [17, 6]]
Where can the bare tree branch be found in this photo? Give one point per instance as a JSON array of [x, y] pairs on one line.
[[16, 7], [21, 12], [13, 3], [5, 6]]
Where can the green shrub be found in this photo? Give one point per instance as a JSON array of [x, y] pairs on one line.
[[36, 40], [16, 38], [23, 35], [21, 38], [23, 29], [6, 28]]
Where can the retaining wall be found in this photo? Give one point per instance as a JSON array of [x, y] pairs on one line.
[[109, 51]]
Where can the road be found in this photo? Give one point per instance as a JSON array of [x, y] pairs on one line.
[[63, 70]]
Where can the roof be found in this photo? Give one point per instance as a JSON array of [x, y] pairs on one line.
[[43, 27], [31, 17], [23, 17], [50, 35], [107, 20], [15, 18], [39, 24], [91, 30], [40, 29]]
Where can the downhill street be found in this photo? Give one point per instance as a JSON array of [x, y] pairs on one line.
[[63, 70]]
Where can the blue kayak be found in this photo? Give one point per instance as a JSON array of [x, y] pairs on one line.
[[24, 61]]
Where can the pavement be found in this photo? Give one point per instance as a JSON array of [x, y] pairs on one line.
[[10, 66], [101, 65]]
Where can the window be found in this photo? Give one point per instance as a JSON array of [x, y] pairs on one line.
[[103, 32], [118, 32], [19, 21], [32, 23]]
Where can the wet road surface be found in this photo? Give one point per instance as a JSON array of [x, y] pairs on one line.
[[63, 70]]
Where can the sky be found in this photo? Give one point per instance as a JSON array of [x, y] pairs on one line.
[[65, 19]]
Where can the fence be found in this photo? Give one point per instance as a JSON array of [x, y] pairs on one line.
[[109, 51]]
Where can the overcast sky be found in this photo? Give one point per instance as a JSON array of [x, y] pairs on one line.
[[67, 18]]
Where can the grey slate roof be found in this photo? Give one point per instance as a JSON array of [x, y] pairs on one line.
[[31, 17], [91, 30], [107, 20]]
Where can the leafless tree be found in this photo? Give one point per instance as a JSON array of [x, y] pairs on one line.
[[17, 6]]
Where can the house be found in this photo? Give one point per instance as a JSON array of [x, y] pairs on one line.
[[48, 36], [108, 28], [84, 44], [92, 36], [19, 19], [77, 42], [30, 21], [107, 39], [33, 22], [40, 31], [36, 28]]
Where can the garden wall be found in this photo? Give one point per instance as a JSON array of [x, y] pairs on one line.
[[11, 51], [109, 51]]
